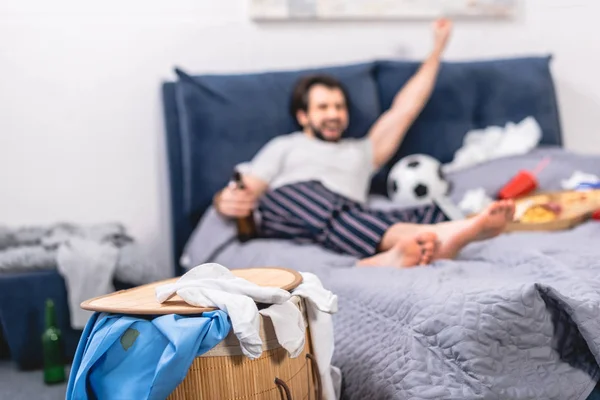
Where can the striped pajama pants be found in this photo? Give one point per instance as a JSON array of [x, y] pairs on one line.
[[307, 212]]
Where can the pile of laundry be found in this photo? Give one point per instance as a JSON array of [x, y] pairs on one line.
[[156, 354], [88, 257]]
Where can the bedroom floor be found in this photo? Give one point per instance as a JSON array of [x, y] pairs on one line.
[[21, 385]]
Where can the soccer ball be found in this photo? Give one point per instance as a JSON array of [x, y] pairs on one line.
[[417, 179]]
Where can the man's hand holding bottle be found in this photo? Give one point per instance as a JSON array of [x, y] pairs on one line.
[[235, 200]]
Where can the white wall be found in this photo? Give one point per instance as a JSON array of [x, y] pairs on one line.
[[81, 134]]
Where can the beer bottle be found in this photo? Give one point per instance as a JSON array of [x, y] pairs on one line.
[[54, 367], [246, 226]]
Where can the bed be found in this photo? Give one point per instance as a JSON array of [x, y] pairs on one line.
[[514, 317]]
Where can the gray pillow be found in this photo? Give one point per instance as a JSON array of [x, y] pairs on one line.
[[212, 233]]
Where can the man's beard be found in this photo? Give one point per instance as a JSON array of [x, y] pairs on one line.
[[319, 134]]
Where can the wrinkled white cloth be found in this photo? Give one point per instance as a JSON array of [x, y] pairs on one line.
[[578, 178], [212, 285], [88, 268], [474, 201], [320, 304], [495, 142], [288, 325]]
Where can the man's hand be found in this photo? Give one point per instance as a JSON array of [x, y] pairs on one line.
[[442, 29], [235, 203]]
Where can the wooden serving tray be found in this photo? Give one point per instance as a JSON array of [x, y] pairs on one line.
[[576, 207], [141, 300]]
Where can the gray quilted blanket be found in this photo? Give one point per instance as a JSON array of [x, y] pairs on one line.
[[518, 318]]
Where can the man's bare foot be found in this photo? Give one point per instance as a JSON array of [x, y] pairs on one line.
[[489, 223], [407, 252], [493, 220]]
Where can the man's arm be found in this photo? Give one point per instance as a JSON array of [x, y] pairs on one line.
[[389, 130]]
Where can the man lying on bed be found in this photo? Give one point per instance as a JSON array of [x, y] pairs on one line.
[[313, 185]]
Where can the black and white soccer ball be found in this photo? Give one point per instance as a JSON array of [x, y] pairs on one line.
[[417, 178]]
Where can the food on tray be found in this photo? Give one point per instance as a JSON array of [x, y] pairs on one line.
[[540, 213], [575, 197], [555, 210], [591, 196]]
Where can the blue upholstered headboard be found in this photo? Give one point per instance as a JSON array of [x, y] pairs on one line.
[[214, 122]]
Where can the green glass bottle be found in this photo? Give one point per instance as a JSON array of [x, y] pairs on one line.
[[54, 367]]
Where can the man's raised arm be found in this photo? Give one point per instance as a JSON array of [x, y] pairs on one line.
[[389, 130]]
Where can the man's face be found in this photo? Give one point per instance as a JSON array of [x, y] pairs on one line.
[[327, 114]]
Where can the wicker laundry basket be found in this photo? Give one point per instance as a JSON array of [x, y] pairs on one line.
[[224, 373]]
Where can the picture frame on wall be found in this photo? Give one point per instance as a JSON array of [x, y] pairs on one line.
[[378, 9]]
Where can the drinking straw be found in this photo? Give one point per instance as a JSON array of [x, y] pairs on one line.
[[541, 166]]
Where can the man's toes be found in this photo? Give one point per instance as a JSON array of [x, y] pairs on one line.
[[427, 252], [502, 205], [427, 237], [426, 258], [429, 246], [510, 210], [503, 209]]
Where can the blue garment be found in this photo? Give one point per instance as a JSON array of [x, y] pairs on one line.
[[125, 357]]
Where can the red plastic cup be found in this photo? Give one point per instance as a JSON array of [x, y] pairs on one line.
[[596, 215], [520, 185]]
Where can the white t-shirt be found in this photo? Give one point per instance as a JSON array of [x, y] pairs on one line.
[[344, 167]]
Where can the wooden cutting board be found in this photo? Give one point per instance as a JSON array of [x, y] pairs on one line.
[[554, 211], [141, 300]]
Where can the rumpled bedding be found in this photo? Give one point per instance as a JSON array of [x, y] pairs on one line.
[[88, 258], [36, 247], [515, 317]]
